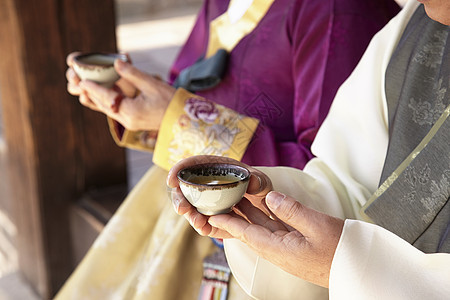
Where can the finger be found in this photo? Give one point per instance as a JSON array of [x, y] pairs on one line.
[[179, 202], [220, 233], [101, 96], [73, 82], [200, 223], [259, 184], [132, 74], [258, 187], [258, 217], [85, 101], [128, 89], [72, 77], [304, 219], [197, 220], [262, 206], [70, 58], [255, 236], [73, 89], [289, 211]]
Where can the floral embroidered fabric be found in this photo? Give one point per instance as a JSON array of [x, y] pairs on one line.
[[194, 125]]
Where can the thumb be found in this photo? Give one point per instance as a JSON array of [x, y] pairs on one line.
[[132, 74], [260, 184], [292, 212]]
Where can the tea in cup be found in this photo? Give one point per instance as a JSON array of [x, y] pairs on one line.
[[214, 188], [98, 67]]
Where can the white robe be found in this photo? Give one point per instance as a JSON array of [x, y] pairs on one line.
[[370, 262]]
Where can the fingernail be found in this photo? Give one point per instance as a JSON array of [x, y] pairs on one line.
[[274, 199], [261, 187], [252, 188]]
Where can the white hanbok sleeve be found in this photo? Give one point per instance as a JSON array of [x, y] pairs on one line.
[[351, 147], [373, 263]]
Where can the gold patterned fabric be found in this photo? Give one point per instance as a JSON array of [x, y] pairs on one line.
[[146, 251], [193, 125], [141, 140]]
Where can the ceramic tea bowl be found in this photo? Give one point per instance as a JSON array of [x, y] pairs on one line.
[[98, 67], [213, 188]]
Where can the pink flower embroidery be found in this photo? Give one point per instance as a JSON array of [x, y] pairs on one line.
[[203, 110]]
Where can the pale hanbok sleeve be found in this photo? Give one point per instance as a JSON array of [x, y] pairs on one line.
[[370, 262], [373, 263]]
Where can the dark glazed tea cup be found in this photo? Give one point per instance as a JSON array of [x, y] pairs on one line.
[[214, 188]]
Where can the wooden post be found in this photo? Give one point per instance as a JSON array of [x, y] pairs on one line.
[[56, 149]]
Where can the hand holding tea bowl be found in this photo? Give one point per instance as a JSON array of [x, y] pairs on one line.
[[255, 189], [98, 67], [137, 100], [213, 188]]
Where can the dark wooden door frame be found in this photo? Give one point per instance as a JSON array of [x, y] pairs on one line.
[[56, 149]]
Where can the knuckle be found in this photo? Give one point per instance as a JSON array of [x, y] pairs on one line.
[[292, 210]]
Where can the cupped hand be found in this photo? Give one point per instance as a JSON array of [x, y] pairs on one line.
[[258, 187], [144, 97], [299, 240], [73, 84]]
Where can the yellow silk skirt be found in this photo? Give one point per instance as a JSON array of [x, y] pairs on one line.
[[146, 251]]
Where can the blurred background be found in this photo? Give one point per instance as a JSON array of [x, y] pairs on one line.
[[151, 31], [61, 175]]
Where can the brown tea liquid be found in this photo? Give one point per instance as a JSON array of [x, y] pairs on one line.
[[213, 180]]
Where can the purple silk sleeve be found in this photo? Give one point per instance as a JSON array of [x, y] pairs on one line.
[[288, 69]]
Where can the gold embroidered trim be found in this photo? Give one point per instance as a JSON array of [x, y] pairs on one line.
[[193, 125]]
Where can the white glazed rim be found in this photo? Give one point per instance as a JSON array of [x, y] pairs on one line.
[[79, 59]]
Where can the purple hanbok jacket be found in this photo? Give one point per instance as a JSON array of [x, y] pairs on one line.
[[287, 70]]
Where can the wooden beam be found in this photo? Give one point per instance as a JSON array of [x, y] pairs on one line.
[[57, 150]]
